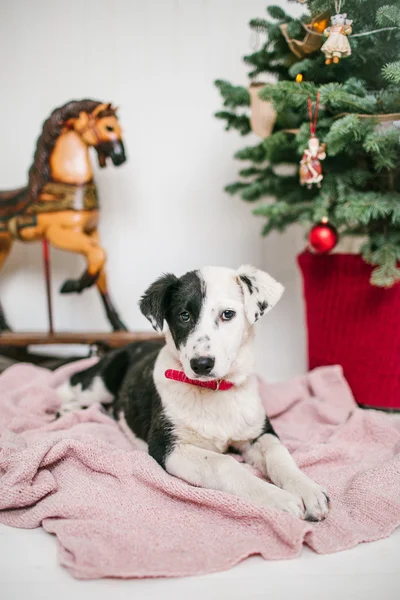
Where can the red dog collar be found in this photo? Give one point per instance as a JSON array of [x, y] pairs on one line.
[[214, 384]]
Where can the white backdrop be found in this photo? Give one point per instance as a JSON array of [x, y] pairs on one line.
[[165, 209]]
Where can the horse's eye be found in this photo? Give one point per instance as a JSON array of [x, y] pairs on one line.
[[109, 128]]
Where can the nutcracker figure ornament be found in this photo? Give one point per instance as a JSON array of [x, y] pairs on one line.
[[310, 165]]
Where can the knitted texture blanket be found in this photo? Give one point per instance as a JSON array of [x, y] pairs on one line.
[[116, 513]]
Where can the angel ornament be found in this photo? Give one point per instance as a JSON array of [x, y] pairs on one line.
[[310, 165], [337, 45]]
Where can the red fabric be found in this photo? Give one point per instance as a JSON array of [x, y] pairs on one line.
[[212, 385], [353, 324]]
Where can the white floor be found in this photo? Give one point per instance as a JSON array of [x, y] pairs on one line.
[[29, 571]]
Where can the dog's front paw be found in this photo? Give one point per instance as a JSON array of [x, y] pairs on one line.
[[281, 500], [314, 497]]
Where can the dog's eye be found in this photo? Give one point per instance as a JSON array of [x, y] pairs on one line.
[[227, 315], [109, 128], [184, 316]]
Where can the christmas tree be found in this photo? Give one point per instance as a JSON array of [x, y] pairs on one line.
[[358, 120]]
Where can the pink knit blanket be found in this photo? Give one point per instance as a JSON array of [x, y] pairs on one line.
[[116, 513]]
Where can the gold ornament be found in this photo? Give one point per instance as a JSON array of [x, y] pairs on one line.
[[313, 38], [263, 114]]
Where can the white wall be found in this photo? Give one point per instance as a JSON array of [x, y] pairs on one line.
[[165, 209]]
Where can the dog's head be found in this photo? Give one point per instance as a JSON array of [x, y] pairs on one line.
[[210, 314]]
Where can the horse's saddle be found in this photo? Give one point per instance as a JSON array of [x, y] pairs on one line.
[[16, 211], [12, 202]]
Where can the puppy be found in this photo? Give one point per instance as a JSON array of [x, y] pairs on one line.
[[194, 398]]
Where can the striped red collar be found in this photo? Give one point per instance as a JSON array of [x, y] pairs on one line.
[[215, 384]]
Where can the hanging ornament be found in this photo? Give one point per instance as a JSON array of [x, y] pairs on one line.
[[337, 45], [323, 237], [263, 114], [299, 78], [312, 40], [310, 165]]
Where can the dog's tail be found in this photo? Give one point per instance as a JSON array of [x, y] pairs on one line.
[[99, 383]]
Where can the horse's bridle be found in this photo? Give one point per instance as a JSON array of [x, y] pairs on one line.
[[91, 127]]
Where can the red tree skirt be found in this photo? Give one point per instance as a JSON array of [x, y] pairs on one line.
[[353, 324]]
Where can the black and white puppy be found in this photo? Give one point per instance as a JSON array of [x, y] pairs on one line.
[[194, 398]]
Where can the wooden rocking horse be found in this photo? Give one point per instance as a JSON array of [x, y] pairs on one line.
[[59, 205]]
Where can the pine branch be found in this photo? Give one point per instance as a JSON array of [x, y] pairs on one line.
[[385, 253], [295, 30], [234, 188], [346, 131], [234, 95], [385, 276], [302, 66], [254, 191], [280, 214], [270, 29], [391, 72], [384, 148], [260, 25], [321, 207], [276, 12], [335, 97], [239, 122], [388, 99], [253, 153], [356, 87], [388, 15], [289, 94], [364, 207], [250, 171], [280, 147], [277, 209]]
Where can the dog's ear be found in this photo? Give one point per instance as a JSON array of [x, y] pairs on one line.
[[154, 302], [260, 291]]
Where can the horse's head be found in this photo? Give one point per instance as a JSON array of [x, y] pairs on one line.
[[101, 129]]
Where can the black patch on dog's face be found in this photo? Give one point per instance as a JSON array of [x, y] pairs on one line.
[[155, 301], [187, 295]]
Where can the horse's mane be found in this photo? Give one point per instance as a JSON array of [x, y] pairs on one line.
[[39, 173]]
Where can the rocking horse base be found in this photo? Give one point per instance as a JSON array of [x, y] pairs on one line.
[[20, 347], [115, 339]]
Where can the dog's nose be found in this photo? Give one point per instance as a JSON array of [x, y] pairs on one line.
[[202, 365]]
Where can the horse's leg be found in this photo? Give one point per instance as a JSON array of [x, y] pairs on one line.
[[75, 240], [112, 314], [5, 247]]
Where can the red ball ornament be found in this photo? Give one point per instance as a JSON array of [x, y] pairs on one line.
[[323, 237]]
